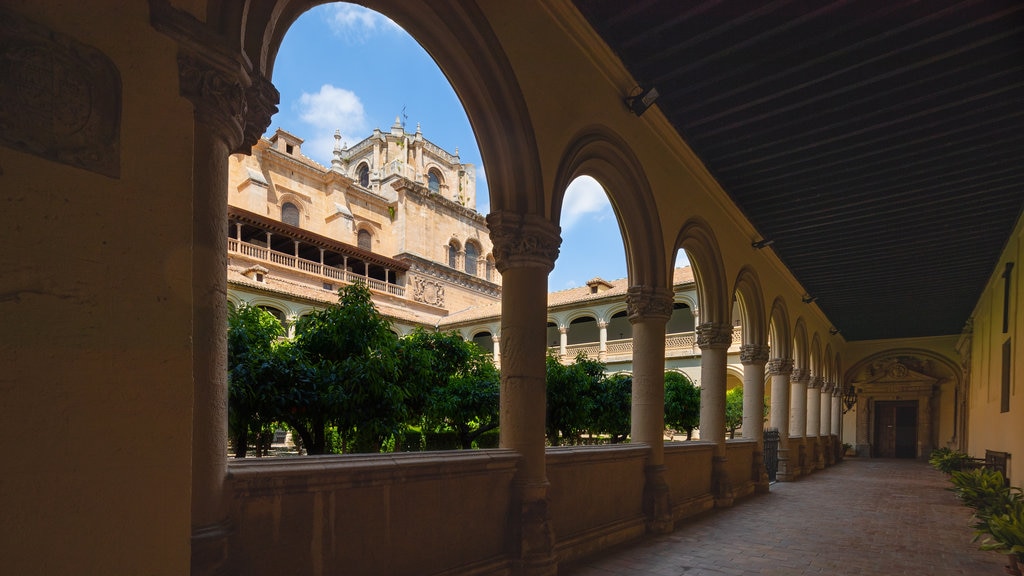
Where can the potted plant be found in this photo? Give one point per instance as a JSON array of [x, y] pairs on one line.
[[1004, 533], [998, 513]]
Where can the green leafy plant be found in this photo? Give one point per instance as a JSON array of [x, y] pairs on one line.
[[1005, 531], [947, 461]]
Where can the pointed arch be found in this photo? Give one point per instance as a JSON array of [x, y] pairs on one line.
[[814, 357], [780, 340], [801, 358], [750, 299], [705, 258], [601, 154]]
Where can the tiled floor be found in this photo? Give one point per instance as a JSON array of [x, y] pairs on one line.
[[862, 517]]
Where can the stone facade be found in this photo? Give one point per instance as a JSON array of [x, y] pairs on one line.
[[395, 211]]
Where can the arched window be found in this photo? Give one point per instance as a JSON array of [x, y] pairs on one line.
[[489, 268], [471, 256], [364, 240], [364, 175], [453, 254], [434, 181], [290, 214], [275, 312]]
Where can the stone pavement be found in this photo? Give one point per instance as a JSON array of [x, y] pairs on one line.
[[861, 517]]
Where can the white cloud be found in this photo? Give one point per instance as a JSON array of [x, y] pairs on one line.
[[331, 109], [584, 196], [355, 24]]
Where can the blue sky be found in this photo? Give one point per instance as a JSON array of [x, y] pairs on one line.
[[342, 67]]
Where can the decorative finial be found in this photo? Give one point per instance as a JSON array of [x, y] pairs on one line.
[[418, 131], [337, 139], [456, 150]]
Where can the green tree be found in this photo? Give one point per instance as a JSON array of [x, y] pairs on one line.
[[252, 395], [734, 410], [612, 407], [570, 397], [682, 403], [452, 383], [346, 360]]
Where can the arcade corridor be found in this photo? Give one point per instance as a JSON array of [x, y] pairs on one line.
[[864, 517]]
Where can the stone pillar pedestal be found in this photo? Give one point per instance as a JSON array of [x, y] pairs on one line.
[[714, 340], [649, 309], [525, 248], [785, 473]]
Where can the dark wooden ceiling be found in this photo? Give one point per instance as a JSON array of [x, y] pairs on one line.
[[879, 144]]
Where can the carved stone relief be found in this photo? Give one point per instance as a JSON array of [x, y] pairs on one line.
[[59, 99], [428, 291]]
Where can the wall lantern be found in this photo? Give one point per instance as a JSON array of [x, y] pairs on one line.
[[849, 398], [642, 101]]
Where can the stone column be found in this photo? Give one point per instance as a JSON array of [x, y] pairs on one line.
[[814, 456], [233, 106], [778, 418], [602, 348], [525, 249], [798, 419], [497, 350], [714, 340], [754, 357], [649, 309], [825, 430], [837, 411], [563, 342]]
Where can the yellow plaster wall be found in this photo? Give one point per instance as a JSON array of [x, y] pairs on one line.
[[95, 301], [988, 427]]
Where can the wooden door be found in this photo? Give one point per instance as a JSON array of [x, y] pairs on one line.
[[895, 430]]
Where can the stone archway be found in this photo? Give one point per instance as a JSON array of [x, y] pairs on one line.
[[899, 402]]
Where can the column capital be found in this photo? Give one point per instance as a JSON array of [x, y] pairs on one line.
[[800, 375], [814, 382], [647, 302], [780, 366], [563, 329], [602, 324], [714, 335], [227, 93], [754, 353], [523, 241]]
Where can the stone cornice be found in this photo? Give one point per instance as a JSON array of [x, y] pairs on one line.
[[523, 241]]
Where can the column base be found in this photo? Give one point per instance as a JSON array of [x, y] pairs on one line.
[[210, 549], [534, 539], [657, 501], [721, 487]]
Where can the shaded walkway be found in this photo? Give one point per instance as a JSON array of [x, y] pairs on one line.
[[861, 517]]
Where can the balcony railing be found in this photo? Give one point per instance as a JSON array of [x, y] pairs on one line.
[[684, 342], [308, 266]]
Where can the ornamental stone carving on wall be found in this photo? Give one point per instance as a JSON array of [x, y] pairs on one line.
[[428, 292], [59, 99]]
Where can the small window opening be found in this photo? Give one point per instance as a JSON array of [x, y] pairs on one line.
[[289, 148]]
